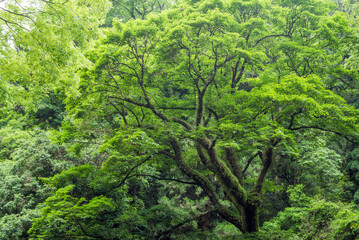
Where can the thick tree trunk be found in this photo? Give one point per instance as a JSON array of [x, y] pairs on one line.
[[230, 176], [251, 219], [251, 209]]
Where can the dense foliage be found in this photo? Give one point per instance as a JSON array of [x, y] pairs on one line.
[[192, 119]]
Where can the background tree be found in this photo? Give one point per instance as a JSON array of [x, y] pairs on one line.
[[134, 9], [43, 48]]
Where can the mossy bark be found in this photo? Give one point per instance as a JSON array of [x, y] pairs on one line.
[[229, 176]]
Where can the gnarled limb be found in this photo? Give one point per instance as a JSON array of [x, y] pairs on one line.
[[234, 164], [207, 187]]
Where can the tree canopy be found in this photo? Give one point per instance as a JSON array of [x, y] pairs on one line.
[[219, 86]]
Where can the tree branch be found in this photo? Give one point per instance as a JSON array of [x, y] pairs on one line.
[[164, 179], [167, 233], [323, 129], [269, 36], [131, 170], [233, 162], [250, 161], [267, 159], [182, 122]]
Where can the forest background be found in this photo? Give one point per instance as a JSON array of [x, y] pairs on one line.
[[193, 119]]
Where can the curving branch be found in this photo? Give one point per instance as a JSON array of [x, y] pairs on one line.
[[8, 23], [250, 161], [128, 173], [325, 130], [270, 36], [267, 159], [164, 179], [167, 233], [182, 122]]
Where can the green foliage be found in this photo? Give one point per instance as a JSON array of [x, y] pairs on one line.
[[312, 218], [320, 169], [47, 40], [26, 155], [30, 156], [346, 224], [134, 9], [19, 194], [168, 125], [90, 203], [217, 77], [79, 209], [61, 212]]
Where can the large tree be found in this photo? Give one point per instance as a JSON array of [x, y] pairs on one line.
[[220, 88]]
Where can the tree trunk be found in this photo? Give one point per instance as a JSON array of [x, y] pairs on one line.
[[251, 219]]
